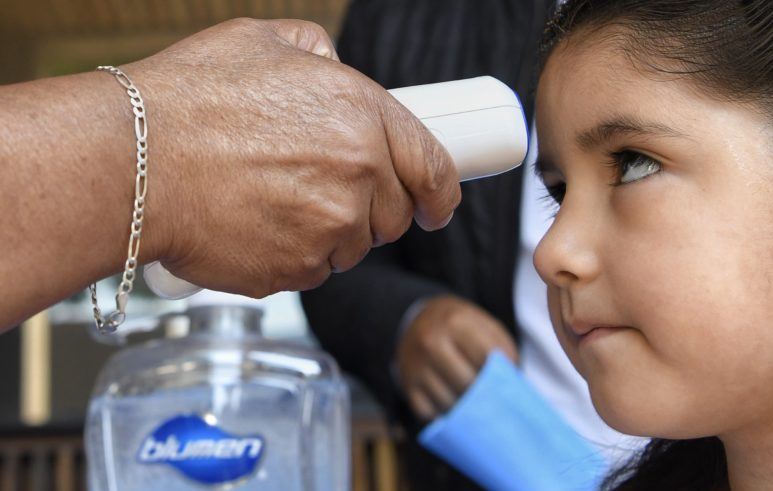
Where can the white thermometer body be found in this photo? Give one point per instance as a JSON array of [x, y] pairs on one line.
[[479, 121]]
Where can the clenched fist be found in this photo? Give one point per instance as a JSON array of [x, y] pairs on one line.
[[442, 351], [270, 165], [276, 164]]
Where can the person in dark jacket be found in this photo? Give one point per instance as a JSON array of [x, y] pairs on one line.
[[377, 318]]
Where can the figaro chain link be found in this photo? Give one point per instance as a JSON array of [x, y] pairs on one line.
[[110, 322]]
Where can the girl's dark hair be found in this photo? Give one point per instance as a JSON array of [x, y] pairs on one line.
[[725, 48], [680, 465]]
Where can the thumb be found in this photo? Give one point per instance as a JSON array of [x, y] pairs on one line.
[[305, 35], [422, 165]]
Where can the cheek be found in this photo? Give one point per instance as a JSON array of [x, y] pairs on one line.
[[695, 278], [693, 254], [657, 262]]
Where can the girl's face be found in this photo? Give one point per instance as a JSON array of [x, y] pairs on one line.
[[659, 264]]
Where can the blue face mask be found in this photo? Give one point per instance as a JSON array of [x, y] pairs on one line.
[[503, 435]]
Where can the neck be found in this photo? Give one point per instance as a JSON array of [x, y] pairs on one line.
[[750, 459]]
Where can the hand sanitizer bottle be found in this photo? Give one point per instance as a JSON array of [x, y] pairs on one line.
[[220, 407]]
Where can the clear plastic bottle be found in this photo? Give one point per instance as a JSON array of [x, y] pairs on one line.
[[220, 407]]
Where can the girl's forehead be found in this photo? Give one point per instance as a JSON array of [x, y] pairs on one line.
[[591, 99], [589, 83], [582, 69], [611, 65]]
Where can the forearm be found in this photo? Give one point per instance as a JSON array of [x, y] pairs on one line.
[[67, 165]]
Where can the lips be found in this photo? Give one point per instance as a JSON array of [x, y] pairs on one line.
[[582, 328], [585, 331]]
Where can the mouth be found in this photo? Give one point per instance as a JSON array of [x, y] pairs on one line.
[[584, 333]]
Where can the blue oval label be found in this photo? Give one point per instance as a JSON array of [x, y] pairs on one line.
[[201, 451]]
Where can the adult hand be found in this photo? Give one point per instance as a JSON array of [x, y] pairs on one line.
[[442, 351], [273, 164], [270, 164]]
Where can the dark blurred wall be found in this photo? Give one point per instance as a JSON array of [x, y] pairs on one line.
[[15, 59], [9, 378]]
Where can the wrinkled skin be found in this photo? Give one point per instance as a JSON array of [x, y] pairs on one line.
[[271, 165]]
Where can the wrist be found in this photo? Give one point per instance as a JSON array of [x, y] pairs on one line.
[[162, 210], [111, 172], [109, 322]]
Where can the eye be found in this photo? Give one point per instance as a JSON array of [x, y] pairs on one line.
[[556, 191], [552, 179], [633, 166], [630, 166]]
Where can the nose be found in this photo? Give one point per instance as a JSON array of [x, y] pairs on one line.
[[568, 253]]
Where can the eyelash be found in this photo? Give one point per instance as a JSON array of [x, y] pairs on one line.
[[621, 162]]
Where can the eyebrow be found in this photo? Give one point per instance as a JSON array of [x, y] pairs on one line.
[[608, 129], [619, 126]]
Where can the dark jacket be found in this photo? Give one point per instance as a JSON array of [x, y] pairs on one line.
[[356, 315]]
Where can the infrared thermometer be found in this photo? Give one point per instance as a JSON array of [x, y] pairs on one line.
[[480, 121]]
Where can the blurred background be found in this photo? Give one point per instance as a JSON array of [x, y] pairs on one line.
[[48, 366]]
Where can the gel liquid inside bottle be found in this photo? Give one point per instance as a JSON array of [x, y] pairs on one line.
[[220, 408]]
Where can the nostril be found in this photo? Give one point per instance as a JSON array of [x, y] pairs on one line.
[[565, 278]]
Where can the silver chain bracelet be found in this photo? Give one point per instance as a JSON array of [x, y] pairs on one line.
[[109, 324]]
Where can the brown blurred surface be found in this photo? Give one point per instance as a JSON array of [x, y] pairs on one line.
[[41, 38]]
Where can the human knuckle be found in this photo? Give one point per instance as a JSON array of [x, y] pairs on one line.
[[366, 98], [350, 261], [336, 214], [317, 279], [457, 197], [307, 263], [427, 342], [433, 177], [311, 27], [241, 23], [457, 320], [390, 234], [397, 228], [301, 263], [260, 290], [362, 164], [313, 274], [414, 392], [346, 220], [362, 252], [406, 220]]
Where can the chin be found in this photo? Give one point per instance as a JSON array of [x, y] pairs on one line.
[[619, 417], [640, 412]]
